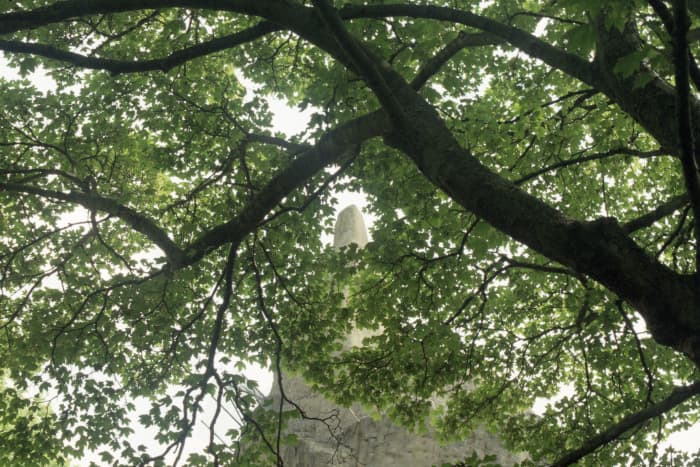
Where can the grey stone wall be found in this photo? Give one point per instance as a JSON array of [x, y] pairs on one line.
[[351, 438]]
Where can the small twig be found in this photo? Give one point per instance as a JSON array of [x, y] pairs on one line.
[[640, 350], [590, 157]]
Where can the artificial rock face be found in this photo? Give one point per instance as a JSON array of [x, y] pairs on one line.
[[352, 438]]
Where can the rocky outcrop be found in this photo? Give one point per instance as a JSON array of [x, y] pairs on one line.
[[351, 438], [348, 436]]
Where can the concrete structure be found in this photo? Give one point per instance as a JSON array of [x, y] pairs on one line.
[[351, 438]]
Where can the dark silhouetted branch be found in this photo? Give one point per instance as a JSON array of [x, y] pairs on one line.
[[663, 210], [128, 66], [677, 396]]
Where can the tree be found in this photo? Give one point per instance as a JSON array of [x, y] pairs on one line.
[[531, 166]]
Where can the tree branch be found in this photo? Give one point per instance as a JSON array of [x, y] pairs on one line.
[[683, 114], [331, 149], [128, 66], [267, 139], [557, 58], [462, 41], [667, 18], [222, 309], [634, 100], [600, 248], [365, 65], [591, 157], [677, 396], [91, 201], [663, 210]]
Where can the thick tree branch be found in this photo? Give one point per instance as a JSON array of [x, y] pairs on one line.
[[71, 9], [633, 99], [677, 396], [366, 66], [94, 202], [600, 249], [283, 143], [650, 104], [311, 160], [298, 18], [555, 57], [663, 210], [667, 18], [179, 57], [331, 149], [689, 161], [128, 66]]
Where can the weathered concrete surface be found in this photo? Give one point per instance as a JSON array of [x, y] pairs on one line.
[[350, 437], [350, 228]]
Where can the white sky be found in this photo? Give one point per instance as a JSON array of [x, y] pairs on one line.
[[291, 122]]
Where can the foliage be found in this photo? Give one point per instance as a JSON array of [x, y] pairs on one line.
[[27, 431], [535, 207]]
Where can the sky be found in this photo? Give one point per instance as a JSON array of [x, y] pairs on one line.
[[291, 121]]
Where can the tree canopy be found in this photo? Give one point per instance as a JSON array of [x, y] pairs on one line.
[[533, 171]]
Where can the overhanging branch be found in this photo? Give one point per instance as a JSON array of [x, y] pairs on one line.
[[590, 157], [91, 201], [462, 41], [129, 66], [331, 149], [537, 48], [689, 162], [665, 209], [667, 18], [677, 396], [365, 65]]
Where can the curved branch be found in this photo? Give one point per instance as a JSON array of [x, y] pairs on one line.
[[71, 9], [689, 159], [463, 40], [331, 149], [677, 396], [131, 217], [663, 210], [537, 48], [600, 248], [364, 64], [297, 16], [128, 66], [590, 157], [634, 100], [667, 18]]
